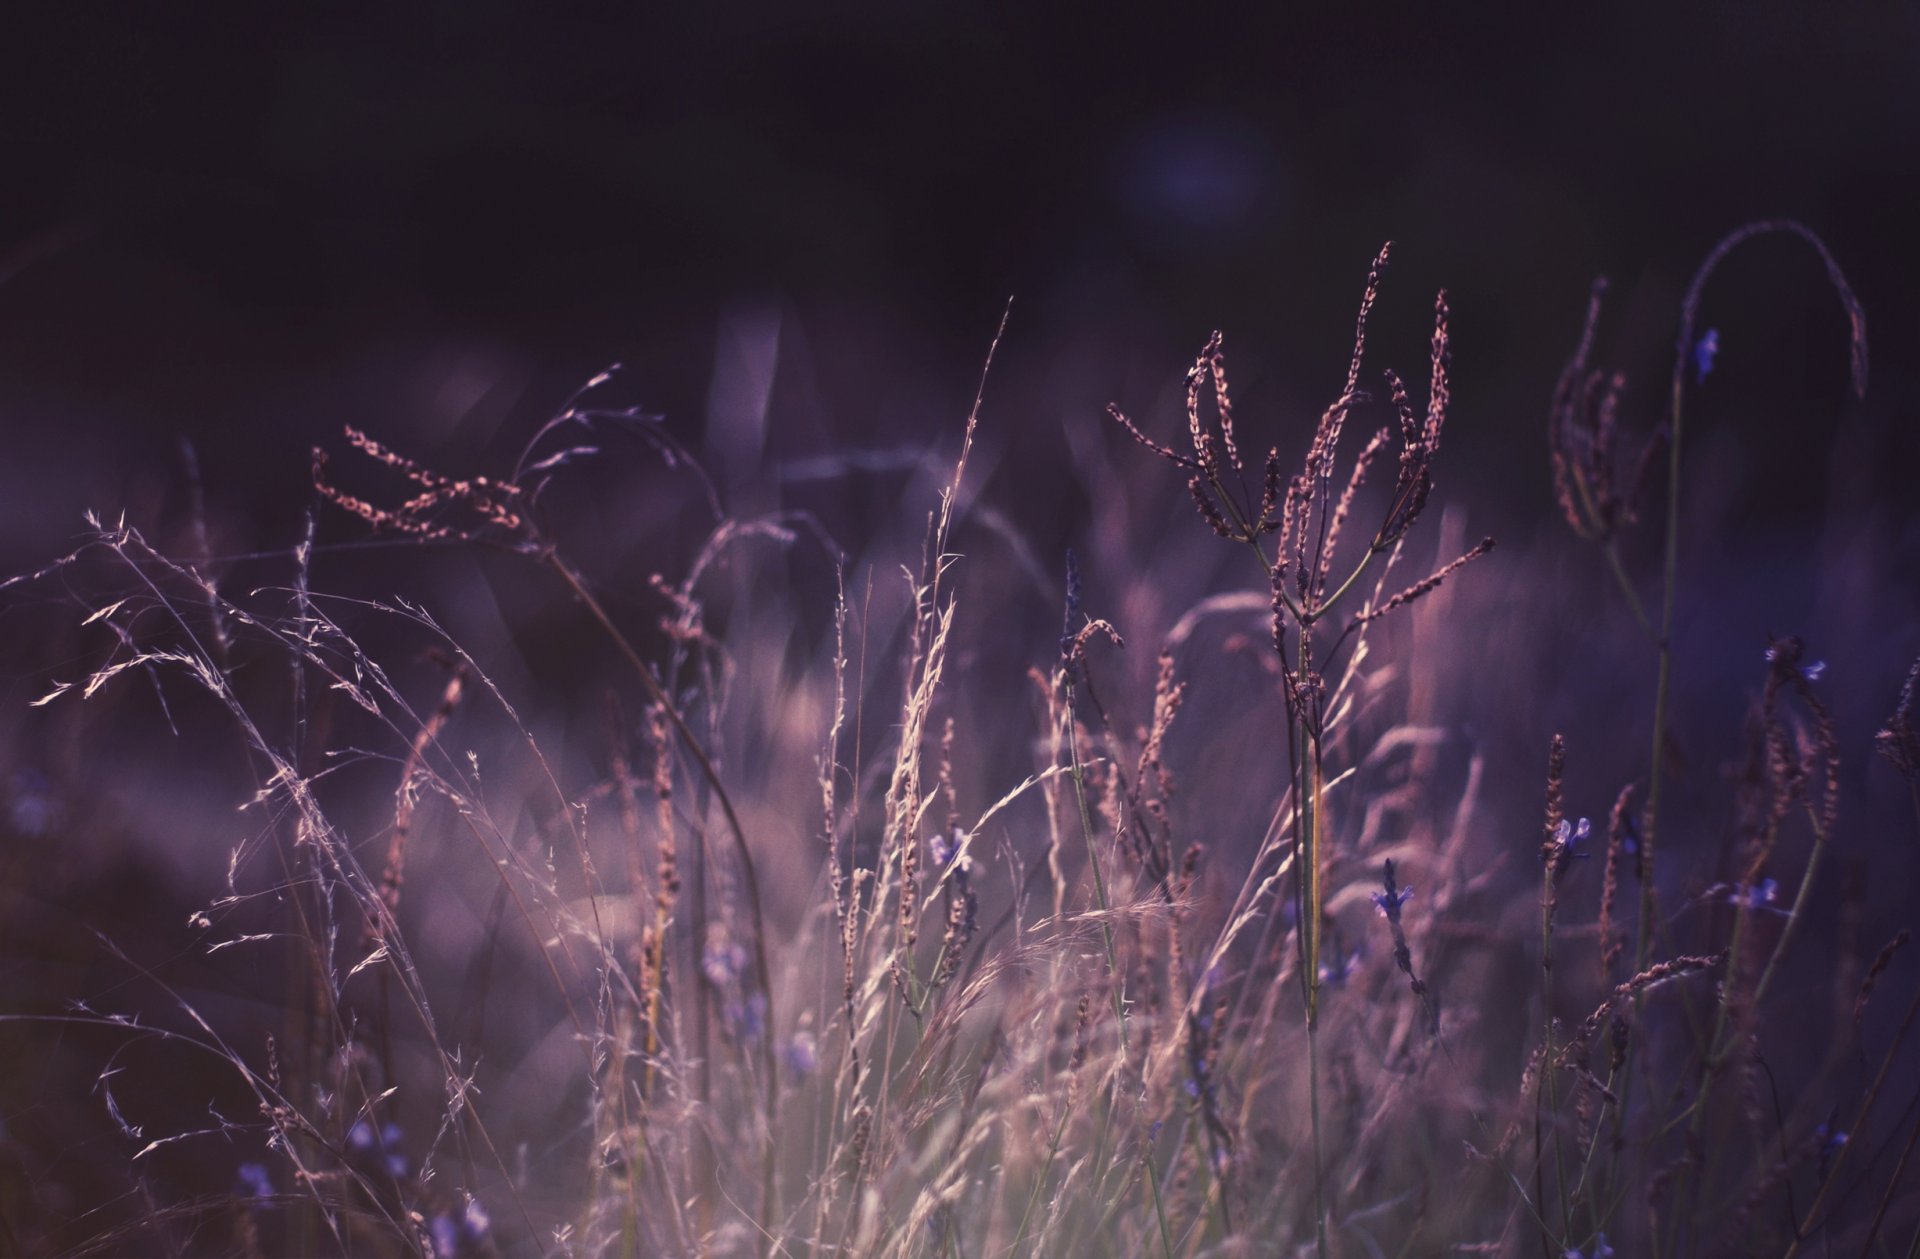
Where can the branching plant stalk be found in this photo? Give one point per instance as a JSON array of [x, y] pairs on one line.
[[1309, 779]]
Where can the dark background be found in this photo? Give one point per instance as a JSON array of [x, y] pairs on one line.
[[246, 224], [236, 229]]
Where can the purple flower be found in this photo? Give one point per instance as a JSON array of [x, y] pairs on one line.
[[942, 849], [1390, 901], [1568, 838], [454, 1235], [1600, 1249], [446, 1236], [747, 1019], [1703, 351], [1759, 896], [1335, 974], [724, 962], [385, 1142], [256, 1181], [33, 809], [799, 1055]]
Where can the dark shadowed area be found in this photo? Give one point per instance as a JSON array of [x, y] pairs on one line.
[[228, 235]]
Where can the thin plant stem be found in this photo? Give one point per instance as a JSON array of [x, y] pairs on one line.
[[1547, 1087], [1639, 610], [1311, 873], [1106, 921], [1670, 567], [1893, 1185], [1053, 1150], [1866, 1108], [1159, 1210], [762, 971], [1326, 603]]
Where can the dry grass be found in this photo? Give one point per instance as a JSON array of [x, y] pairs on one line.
[[816, 939]]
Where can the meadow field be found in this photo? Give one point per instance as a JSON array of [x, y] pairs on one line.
[[1196, 839]]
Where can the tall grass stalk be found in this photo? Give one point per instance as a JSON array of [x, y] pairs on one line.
[[1596, 510], [1305, 516]]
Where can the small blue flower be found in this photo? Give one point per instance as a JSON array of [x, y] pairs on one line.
[[1600, 1249], [1703, 352], [724, 962], [254, 1177], [1335, 974], [446, 1236], [1568, 839], [1759, 896], [799, 1055], [385, 1142], [33, 809], [942, 849], [747, 1019], [454, 1235], [1389, 902], [1813, 671]]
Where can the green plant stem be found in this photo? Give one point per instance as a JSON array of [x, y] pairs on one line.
[[1053, 1150], [1159, 1210], [1309, 781], [1249, 535], [1310, 927], [1670, 569], [1313, 1100], [1639, 610], [1321, 608], [1663, 686]]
